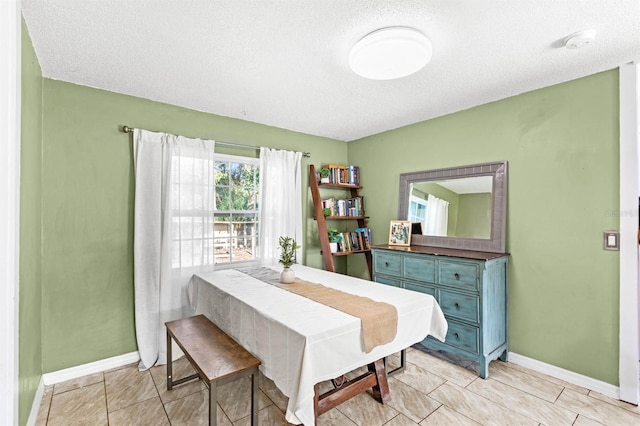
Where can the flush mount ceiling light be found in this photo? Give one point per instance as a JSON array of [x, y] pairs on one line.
[[579, 39], [390, 53]]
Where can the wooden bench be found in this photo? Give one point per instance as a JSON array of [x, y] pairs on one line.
[[217, 358]]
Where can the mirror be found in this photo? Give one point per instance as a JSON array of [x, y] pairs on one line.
[[457, 207]]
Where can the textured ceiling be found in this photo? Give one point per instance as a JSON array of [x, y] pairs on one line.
[[284, 63]]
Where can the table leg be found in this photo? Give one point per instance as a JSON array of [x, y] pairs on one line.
[[213, 403], [254, 398], [381, 389], [169, 363]]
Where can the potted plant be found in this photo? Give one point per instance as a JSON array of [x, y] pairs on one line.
[[326, 212], [288, 247], [334, 238], [324, 175]]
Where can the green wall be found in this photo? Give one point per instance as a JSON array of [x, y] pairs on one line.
[[562, 145], [474, 215], [30, 314], [87, 207]]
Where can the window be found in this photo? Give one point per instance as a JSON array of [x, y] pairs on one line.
[[418, 210], [237, 181], [216, 222]]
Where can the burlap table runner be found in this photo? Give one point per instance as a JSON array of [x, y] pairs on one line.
[[379, 320]]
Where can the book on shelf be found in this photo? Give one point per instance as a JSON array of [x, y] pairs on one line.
[[344, 207], [343, 174], [357, 240]]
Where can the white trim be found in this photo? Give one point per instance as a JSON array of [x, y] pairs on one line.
[[37, 401], [10, 51], [90, 368], [628, 370], [604, 388]]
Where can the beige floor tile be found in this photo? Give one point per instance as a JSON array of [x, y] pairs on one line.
[[145, 413], [45, 404], [596, 409], [585, 421], [193, 410], [181, 369], [410, 402], [128, 386], [78, 383], [477, 407], [522, 402], [80, 406], [533, 373], [400, 420], [235, 398], [534, 385], [334, 417], [445, 416], [268, 416], [616, 402], [364, 410], [451, 372], [419, 379]]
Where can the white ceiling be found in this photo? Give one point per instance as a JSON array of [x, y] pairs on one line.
[[284, 63]]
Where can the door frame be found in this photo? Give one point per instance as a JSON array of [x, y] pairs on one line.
[[10, 91], [629, 356]]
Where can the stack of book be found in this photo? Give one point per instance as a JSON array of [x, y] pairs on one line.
[[341, 174], [345, 207], [357, 240]]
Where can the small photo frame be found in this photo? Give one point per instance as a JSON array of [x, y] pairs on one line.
[[400, 233], [416, 228]]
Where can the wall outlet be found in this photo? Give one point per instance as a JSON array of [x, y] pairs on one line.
[[611, 240]]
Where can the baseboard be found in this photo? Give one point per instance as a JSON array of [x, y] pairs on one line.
[[604, 388], [35, 407], [90, 368]]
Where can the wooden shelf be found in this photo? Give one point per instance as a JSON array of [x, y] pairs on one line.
[[321, 220], [339, 185], [346, 217]]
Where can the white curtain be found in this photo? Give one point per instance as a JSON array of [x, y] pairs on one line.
[[280, 201], [173, 231], [437, 217]]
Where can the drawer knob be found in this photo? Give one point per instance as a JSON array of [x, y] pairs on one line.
[[457, 305], [386, 264], [457, 276], [456, 335]]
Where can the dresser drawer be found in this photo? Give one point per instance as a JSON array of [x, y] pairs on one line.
[[464, 275], [388, 281], [387, 263], [420, 288], [420, 268], [460, 305], [463, 337]]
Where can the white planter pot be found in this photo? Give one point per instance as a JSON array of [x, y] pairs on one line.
[[334, 247], [287, 276], [324, 180]]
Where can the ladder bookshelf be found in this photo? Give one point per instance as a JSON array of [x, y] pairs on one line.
[[321, 220]]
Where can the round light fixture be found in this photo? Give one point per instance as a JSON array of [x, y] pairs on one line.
[[579, 39], [390, 53]]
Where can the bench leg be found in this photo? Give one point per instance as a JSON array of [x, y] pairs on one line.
[[254, 398], [169, 363], [213, 403]]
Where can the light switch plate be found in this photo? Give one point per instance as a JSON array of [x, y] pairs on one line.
[[611, 240]]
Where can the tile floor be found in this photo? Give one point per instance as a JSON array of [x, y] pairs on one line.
[[431, 391]]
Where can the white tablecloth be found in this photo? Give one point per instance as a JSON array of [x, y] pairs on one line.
[[301, 342]]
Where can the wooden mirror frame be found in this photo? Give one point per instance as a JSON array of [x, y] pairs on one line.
[[498, 171]]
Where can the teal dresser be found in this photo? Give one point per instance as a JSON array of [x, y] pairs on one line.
[[471, 288]]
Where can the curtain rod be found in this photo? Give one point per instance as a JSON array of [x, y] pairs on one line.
[[127, 129]]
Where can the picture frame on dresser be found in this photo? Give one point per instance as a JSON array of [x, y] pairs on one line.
[[400, 233]]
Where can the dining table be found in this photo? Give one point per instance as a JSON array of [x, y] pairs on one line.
[[302, 342]]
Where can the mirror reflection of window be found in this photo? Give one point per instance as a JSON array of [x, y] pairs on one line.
[[454, 207]]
